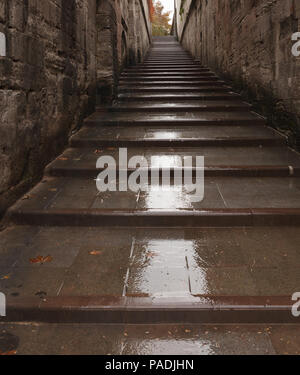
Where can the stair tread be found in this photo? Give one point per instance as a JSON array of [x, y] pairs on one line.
[[140, 96], [220, 193], [168, 339], [200, 88], [124, 84], [261, 157], [70, 272], [179, 106], [179, 133], [188, 105], [219, 117]]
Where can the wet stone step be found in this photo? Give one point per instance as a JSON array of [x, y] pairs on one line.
[[167, 73], [180, 106], [144, 262], [156, 67], [163, 70], [123, 84], [170, 57], [192, 67], [95, 275], [219, 161], [171, 339], [165, 65], [177, 96], [176, 55], [227, 201], [206, 135], [247, 118], [178, 88], [168, 54], [169, 79], [169, 62]]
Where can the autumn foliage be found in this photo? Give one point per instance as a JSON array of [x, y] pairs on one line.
[[160, 20], [151, 9]]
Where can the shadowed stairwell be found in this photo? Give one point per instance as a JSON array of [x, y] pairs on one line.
[[154, 256]]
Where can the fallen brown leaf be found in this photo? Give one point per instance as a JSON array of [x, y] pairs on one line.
[[63, 159], [11, 352], [95, 252], [26, 197], [41, 260]]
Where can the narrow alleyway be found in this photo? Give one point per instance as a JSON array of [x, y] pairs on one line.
[[74, 255]]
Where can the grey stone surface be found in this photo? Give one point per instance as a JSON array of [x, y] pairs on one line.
[[91, 339]]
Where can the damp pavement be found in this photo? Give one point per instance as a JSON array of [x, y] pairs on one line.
[[43, 339]]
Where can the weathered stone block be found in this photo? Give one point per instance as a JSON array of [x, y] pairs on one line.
[[18, 13], [2, 11]]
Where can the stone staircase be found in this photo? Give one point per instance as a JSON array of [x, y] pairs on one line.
[[154, 256]]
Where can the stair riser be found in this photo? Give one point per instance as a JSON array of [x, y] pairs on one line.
[[173, 79], [168, 54], [164, 65], [181, 109], [177, 123], [152, 315], [154, 65], [167, 70], [180, 143], [163, 219], [173, 89], [164, 99], [209, 172], [142, 75], [132, 85], [170, 58]]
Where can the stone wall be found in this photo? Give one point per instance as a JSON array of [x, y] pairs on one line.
[[59, 53], [47, 81], [249, 42], [124, 36]]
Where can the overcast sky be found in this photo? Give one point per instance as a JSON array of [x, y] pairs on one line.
[[169, 6]]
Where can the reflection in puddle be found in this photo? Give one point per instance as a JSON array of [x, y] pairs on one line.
[[172, 197], [167, 135], [176, 344], [162, 268], [166, 161]]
